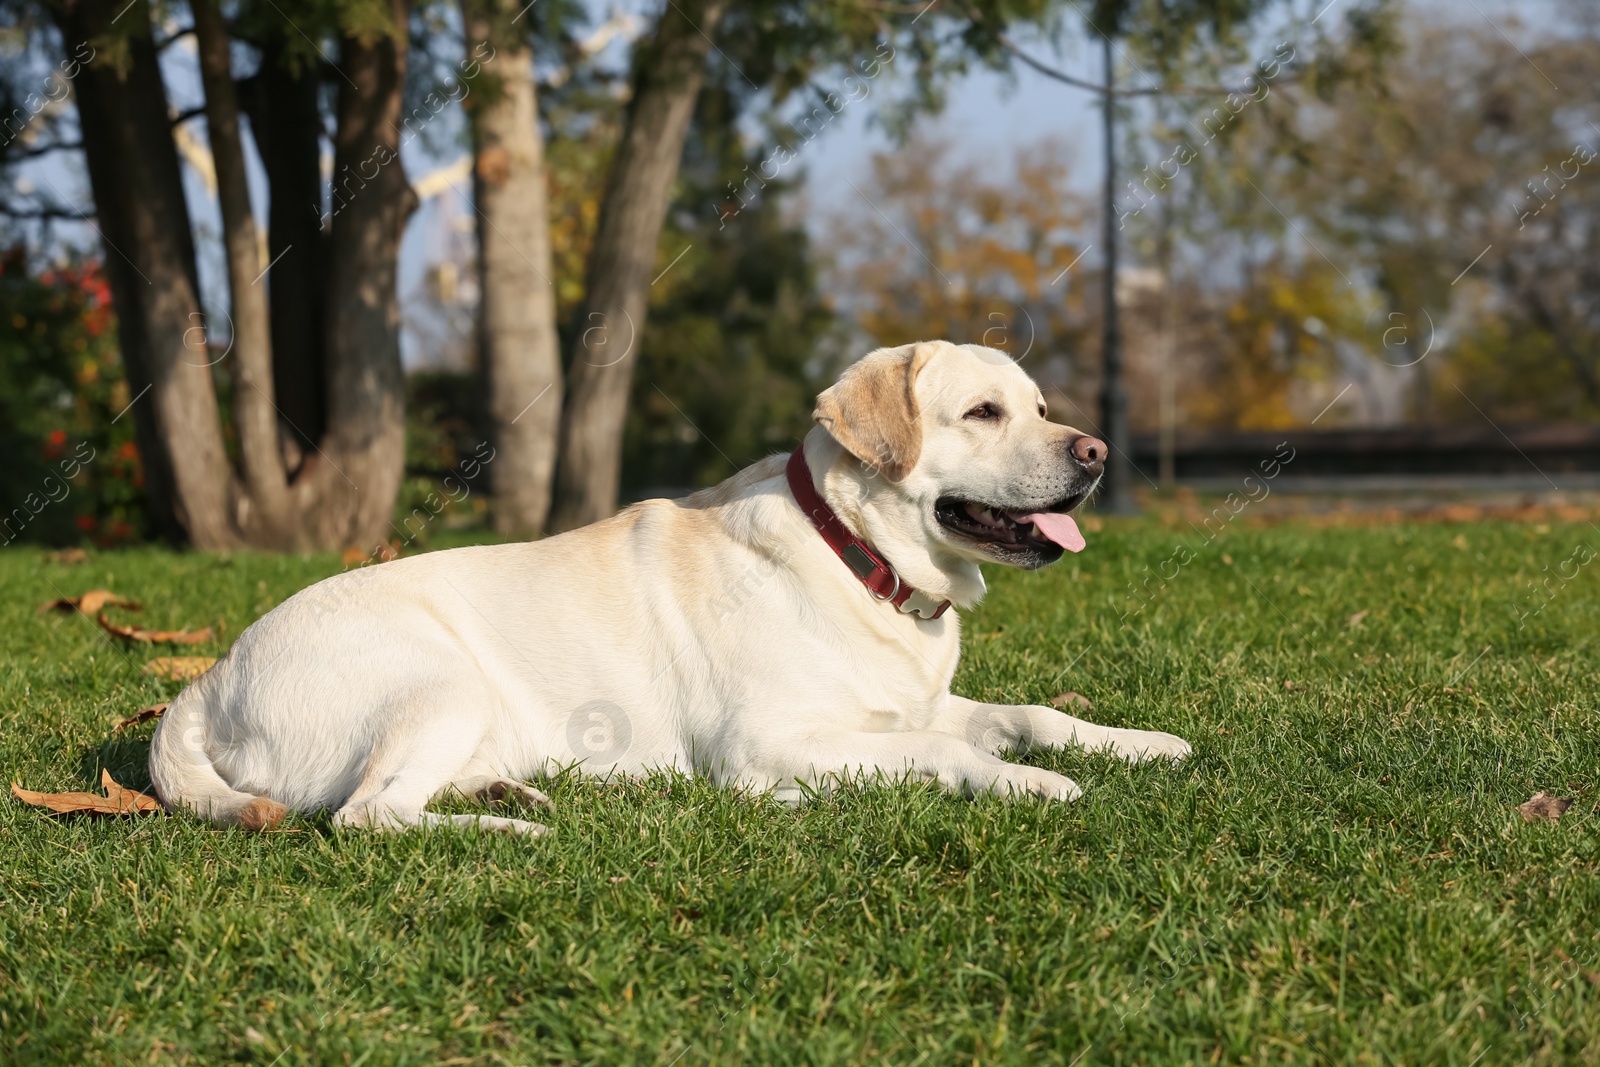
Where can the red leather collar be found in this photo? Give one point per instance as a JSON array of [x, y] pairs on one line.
[[874, 572]]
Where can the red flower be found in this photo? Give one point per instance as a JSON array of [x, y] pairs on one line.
[[86, 523]]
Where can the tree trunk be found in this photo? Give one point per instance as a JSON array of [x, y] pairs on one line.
[[95, 88], [264, 514], [286, 121], [667, 77], [517, 314], [348, 489], [344, 493], [144, 222]]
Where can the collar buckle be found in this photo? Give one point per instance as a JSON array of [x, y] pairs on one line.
[[872, 572]]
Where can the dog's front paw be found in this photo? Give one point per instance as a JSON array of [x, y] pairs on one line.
[[1139, 745], [1016, 782]]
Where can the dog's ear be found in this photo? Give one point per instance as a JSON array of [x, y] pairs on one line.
[[872, 409]]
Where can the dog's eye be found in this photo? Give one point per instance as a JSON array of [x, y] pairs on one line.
[[985, 410]]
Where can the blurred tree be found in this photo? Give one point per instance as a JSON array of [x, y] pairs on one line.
[[739, 334], [1447, 205], [1169, 33], [276, 494], [1184, 44], [769, 52], [966, 251], [518, 341], [72, 468], [668, 71], [741, 340], [283, 99]]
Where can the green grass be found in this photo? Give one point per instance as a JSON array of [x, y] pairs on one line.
[[1337, 876]]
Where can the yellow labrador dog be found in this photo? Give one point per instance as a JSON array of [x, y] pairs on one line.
[[781, 630]]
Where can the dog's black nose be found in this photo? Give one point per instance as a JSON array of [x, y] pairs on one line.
[[1090, 452]]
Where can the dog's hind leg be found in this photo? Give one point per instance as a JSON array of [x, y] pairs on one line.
[[424, 759]]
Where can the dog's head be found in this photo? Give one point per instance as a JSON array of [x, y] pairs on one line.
[[952, 449]]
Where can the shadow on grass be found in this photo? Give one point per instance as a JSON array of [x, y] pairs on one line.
[[126, 757]]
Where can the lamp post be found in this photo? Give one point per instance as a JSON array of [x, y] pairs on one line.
[[1118, 496]]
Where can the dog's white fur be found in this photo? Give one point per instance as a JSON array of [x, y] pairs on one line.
[[717, 634]]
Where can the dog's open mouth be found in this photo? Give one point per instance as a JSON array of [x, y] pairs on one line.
[[1013, 529]]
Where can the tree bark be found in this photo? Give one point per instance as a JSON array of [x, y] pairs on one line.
[[520, 348], [355, 475], [345, 492], [667, 77], [144, 222], [264, 514], [286, 121], [94, 89]]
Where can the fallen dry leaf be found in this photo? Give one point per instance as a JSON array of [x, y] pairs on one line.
[[178, 668], [1544, 806], [90, 602], [1072, 700], [117, 801], [154, 711], [68, 556], [1355, 620], [1227, 559], [163, 637]]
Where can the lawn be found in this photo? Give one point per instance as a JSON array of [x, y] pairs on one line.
[[1339, 875]]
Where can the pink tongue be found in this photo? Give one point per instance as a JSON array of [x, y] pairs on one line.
[[1062, 529]]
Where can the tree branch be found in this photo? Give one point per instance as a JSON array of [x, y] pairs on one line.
[[189, 113], [1165, 90], [1094, 87], [42, 213], [1061, 76], [39, 150], [162, 46]]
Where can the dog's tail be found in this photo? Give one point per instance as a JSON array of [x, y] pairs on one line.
[[185, 778]]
